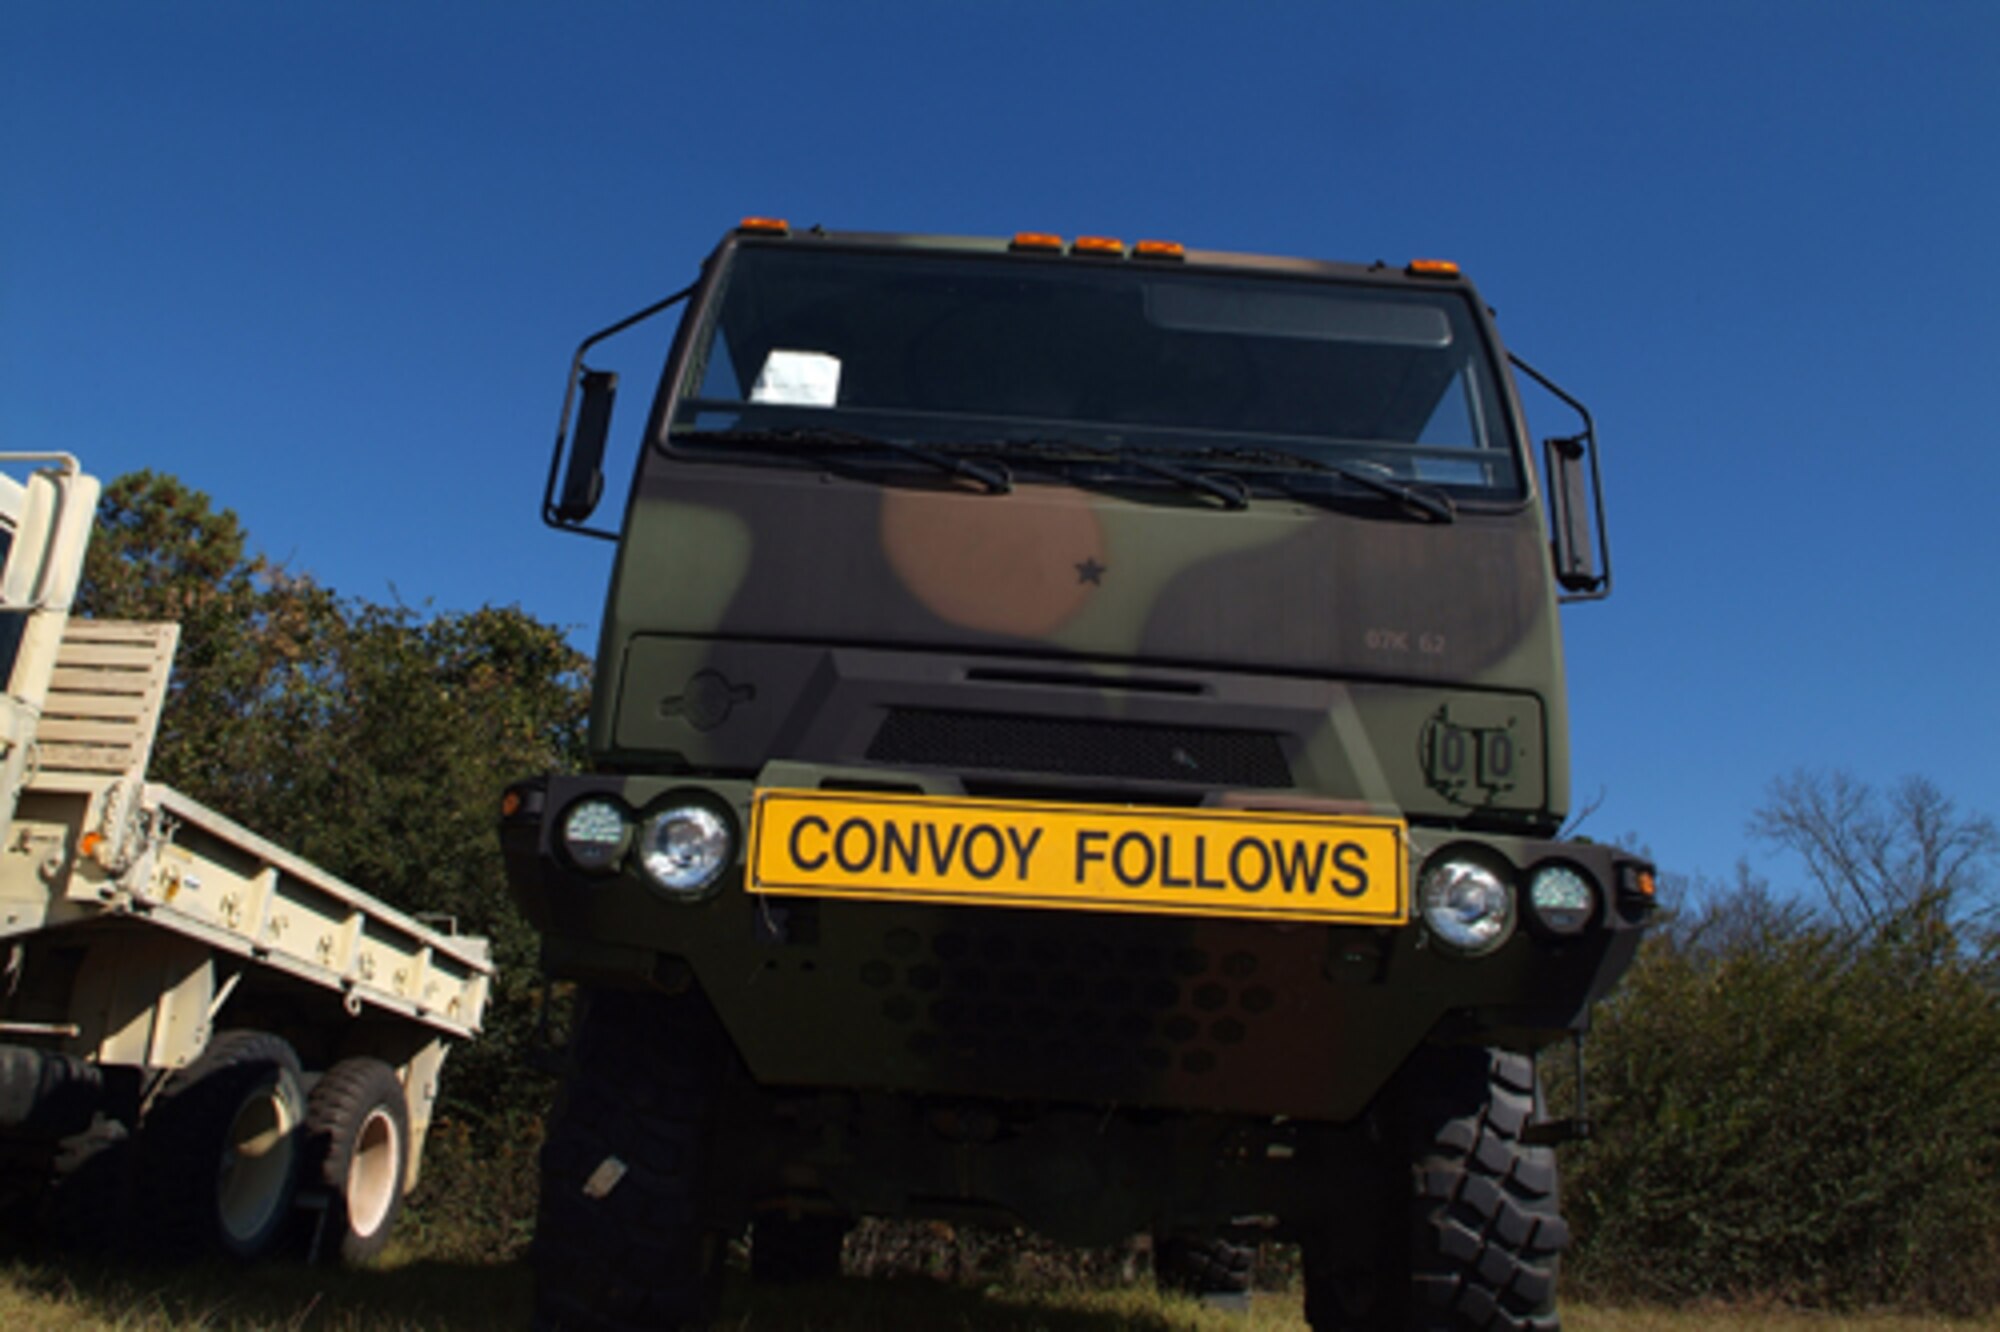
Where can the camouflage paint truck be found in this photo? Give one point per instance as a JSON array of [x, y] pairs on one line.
[[208, 1045], [1079, 742]]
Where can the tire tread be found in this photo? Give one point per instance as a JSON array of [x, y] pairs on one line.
[[1486, 1232], [637, 1254]]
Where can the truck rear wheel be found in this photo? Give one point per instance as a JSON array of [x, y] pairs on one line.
[[1196, 1264], [358, 1139], [219, 1149], [623, 1239], [788, 1250], [1484, 1226]]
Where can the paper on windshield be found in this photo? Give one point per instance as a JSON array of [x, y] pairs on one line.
[[798, 379]]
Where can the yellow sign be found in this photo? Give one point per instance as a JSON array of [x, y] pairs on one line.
[[1249, 864]]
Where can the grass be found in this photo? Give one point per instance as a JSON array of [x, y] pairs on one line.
[[75, 1296], [92, 1296]]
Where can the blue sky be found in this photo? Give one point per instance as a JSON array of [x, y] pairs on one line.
[[327, 263]]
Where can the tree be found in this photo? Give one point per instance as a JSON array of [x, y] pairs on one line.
[[1884, 860], [257, 644], [373, 740]]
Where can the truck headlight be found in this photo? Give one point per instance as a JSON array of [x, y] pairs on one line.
[[595, 832], [1561, 899], [684, 848], [1467, 904]]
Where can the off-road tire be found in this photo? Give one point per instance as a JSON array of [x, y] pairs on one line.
[[790, 1250], [1202, 1264], [623, 1240], [200, 1190], [358, 1151], [1484, 1229]]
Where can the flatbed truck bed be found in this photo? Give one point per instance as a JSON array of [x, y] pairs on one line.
[[253, 1041]]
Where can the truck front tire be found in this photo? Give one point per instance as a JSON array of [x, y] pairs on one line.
[[622, 1239], [1484, 1228]]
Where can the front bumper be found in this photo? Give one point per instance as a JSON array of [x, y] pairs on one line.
[[1169, 1012]]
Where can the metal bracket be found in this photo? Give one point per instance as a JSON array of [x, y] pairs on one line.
[[1549, 1132]]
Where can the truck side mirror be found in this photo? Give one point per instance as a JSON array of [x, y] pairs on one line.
[[583, 479], [1579, 541], [1569, 515]]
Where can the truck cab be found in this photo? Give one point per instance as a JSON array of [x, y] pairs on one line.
[[1079, 740]]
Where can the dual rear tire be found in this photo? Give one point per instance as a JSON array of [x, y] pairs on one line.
[[232, 1138], [219, 1150], [793, 1250], [1202, 1265], [358, 1153]]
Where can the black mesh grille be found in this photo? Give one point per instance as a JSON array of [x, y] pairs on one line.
[[1068, 997], [1139, 751]]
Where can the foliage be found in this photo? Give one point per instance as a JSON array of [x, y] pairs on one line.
[[254, 641], [373, 740], [1790, 1108], [476, 1203]]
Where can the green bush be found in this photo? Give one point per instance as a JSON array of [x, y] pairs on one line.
[[476, 1200], [1788, 1110]]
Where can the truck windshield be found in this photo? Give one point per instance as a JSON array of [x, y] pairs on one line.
[[963, 350]]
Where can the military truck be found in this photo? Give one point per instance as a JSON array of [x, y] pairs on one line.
[[207, 1044], [1080, 743]]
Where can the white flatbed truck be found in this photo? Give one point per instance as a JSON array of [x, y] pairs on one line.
[[207, 1044]]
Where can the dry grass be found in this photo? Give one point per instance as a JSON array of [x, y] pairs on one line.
[[441, 1297], [1723, 1319]]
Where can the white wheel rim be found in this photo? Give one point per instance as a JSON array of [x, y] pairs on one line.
[[374, 1172], [255, 1173]]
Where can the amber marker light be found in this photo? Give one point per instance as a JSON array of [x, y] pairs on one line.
[[765, 226], [1159, 250], [1036, 240], [90, 843], [1103, 245], [1637, 890], [1438, 268], [510, 804]]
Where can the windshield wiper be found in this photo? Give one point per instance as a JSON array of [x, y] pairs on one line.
[[992, 474], [1231, 490], [1431, 504]]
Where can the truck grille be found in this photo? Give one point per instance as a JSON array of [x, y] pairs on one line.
[[1057, 1000], [1134, 751]]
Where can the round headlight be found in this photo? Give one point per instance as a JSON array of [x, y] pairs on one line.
[[1561, 899], [684, 848], [1467, 905], [594, 833]]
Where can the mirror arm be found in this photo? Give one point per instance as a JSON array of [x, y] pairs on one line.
[[552, 513], [1585, 442]]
